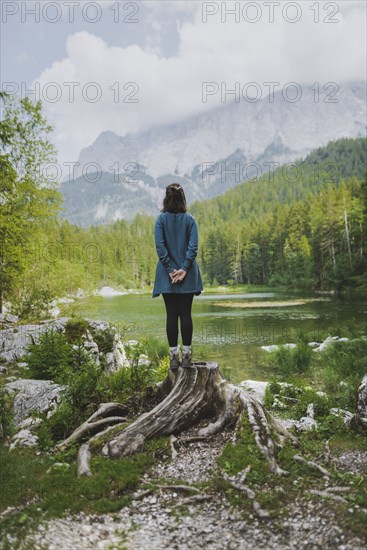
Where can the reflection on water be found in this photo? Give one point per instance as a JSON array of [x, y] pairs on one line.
[[232, 336]]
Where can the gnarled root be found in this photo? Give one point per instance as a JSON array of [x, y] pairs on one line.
[[96, 422], [188, 395]]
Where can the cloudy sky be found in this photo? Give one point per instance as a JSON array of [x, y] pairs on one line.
[[128, 66]]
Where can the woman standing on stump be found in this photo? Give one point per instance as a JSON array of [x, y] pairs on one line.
[[177, 275]]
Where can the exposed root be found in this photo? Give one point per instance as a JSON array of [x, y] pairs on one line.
[[188, 395], [311, 464], [192, 439], [337, 490], [237, 482], [336, 498], [89, 428], [83, 461], [184, 488], [173, 450], [195, 498], [327, 453]]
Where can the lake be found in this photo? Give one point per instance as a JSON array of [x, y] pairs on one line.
[[230, 327]]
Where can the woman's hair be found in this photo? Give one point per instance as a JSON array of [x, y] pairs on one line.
[[175, 200]]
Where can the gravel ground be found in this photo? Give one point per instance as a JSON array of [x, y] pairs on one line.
[[157, 521], [352, 461]]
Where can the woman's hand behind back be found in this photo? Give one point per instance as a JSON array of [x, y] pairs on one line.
[[178, 276]]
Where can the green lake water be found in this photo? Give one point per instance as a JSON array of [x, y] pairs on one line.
[[232, 336]]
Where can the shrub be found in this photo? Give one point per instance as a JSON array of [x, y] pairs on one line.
[[6, 414], [342, 366], [49, 357], [320, 402], [75, 328], [104, 339]]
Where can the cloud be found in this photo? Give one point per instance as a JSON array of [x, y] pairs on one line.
[[170, 87]]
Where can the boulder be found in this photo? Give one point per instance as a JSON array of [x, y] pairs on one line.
[[14, 341], [33, 396]]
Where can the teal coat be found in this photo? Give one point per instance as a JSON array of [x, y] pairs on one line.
[[176, 242]]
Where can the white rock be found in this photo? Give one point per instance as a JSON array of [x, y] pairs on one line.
[[33, 395], [255, 387], [342, 413], [24, 438], [362, 398], [269, 348], [107, 291]]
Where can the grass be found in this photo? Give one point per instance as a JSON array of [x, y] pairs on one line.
[[40, 495], [337, 371]]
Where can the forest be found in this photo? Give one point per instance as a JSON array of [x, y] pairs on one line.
[[302, 226]]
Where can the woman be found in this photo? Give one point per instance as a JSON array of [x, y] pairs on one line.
[[177, 275]]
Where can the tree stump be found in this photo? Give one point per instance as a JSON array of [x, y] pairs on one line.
[[187, 396]]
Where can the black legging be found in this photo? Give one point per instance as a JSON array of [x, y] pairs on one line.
[[178, 305]]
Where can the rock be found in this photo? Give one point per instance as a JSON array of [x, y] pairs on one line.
[[108, 291], [256, 388], [362, 398], [330, 340], [30, 422], [132, 343], [269, 348], [33, 395], [24, 438], [304, 424], [274, 347], [314, 344], [342, 413], [15, 340], [3, 370], [8, 318]]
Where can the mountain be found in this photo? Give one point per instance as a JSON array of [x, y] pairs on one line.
[[209, 153]]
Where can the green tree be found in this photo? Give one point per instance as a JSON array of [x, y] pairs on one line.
[[28, 199]]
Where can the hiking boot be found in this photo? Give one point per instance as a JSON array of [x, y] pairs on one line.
[[187, 360], [174, 362]]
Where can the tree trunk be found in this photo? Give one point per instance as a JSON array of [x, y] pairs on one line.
[[188, 395]]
